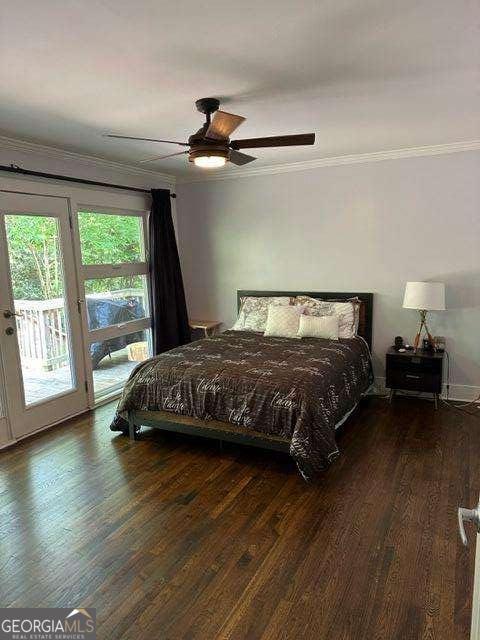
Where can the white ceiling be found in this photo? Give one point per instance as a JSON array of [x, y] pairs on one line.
[[365, 75]]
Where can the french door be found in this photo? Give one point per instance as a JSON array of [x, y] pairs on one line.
[[41, 350]]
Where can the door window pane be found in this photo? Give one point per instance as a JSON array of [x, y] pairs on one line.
[[110, 239], [36, 269], [114, 359], [112, 301]]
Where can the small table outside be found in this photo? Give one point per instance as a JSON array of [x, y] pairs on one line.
[[209, 327]]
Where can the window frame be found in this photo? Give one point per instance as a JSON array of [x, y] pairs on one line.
[[108, 270]]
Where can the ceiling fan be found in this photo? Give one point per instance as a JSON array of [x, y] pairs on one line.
[[211, 147]]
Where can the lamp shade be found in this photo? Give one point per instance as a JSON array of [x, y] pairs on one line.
[[428, 296]]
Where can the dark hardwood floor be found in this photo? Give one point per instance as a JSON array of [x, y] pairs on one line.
[[171, 538]]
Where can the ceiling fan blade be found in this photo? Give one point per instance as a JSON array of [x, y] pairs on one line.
[[240, 158], [274, 141], [222, 125], [170, 155], [114, 135]]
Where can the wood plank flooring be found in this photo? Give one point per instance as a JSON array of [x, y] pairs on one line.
[[171, 538]]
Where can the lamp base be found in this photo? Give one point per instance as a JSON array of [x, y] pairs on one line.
[[423, 325]]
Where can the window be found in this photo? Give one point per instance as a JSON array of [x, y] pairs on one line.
[[116, 286], [115, 358], [110, 238], [113, 301]]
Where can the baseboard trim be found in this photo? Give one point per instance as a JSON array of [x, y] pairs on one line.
[[10, 443], [457, 392]]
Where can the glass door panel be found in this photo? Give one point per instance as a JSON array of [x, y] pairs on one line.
[[40, 328], [115, 283], [114, 301], [114, 359], [38, 289]]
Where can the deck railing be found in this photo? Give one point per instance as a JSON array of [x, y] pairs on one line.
[[42, 329]]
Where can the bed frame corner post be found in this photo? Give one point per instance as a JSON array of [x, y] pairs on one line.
[[131, 426]]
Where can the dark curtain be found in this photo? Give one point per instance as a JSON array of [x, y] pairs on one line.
[[169, 311]]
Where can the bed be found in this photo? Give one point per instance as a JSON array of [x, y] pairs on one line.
[[277, 393]]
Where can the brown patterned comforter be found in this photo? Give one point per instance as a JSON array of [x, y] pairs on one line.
[[297, 389]]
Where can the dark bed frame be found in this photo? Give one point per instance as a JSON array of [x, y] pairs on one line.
[[225, 431]]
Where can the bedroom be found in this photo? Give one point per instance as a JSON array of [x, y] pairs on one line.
[[314, 531]]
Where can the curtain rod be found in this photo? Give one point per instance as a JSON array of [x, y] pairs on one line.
[[13, 168]]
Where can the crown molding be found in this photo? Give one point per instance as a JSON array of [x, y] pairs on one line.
[[15, 144], [334, 161], [23, 146]]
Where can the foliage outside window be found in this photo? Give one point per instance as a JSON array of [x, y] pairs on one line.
[[110, 239], [35, 257], [35, 254]]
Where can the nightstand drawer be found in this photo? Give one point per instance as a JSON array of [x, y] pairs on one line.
[[413, 380], [414, 364]]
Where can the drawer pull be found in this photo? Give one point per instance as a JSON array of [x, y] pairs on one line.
[[409, 375]]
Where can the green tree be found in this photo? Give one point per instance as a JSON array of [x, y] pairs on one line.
[[33, 251], [35, 258]]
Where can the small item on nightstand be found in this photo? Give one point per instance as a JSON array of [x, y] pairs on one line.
[[398, 343], [427, 345], [439, 342]]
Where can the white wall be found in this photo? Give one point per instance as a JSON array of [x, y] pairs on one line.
[[359, 227]]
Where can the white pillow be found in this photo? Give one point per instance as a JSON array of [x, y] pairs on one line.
[[254, 311], [318, 327], [283, 322], [344, 310]]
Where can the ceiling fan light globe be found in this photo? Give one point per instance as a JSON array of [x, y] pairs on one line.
[[210, 162]]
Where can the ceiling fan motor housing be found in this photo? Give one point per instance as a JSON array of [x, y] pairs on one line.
[[206, 149], [202, 146]]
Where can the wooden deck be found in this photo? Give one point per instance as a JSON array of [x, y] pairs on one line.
[[169, 537], [111, 372]]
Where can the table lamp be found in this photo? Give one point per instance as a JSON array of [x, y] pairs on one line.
[[424, 296]]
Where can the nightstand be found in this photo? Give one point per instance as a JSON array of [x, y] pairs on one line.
[[209, 327], [421, 371]]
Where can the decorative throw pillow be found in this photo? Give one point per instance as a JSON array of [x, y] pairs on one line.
[[344, 310], [318, 327], [254, 312], [283, 322], [357, 305]]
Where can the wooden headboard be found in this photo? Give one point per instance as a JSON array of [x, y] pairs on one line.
[[365, 326]]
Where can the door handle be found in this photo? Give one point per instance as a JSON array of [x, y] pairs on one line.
[[467, 515], [9, 331], [9, 314]]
